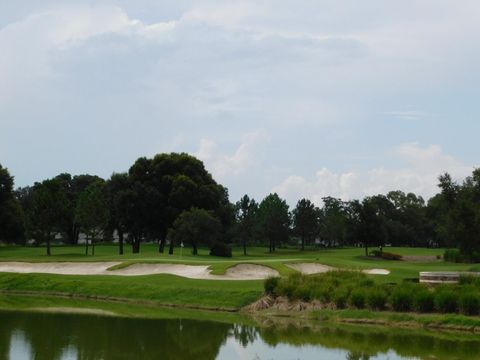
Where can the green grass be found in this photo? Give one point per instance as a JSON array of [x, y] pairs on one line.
[[157, 289], [205, 293], [349, 258]]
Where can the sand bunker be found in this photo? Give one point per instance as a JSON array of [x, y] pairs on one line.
[[376, 272], [61, 268], [311, 268], [315, 268], [237, 272]]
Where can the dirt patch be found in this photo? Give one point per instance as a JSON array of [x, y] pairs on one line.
[[237, 272], [429, 258]]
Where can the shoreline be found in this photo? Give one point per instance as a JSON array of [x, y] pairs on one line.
[[444, 322]]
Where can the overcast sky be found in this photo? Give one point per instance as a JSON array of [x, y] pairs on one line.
[[307, 98]]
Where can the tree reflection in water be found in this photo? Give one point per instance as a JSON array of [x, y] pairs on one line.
[[47, 336]]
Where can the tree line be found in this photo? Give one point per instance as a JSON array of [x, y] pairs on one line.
[[171, 199]]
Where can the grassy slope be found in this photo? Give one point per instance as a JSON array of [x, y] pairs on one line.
[[162, 289]]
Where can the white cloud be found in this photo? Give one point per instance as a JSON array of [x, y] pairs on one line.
[[245, 158], [420, 176]]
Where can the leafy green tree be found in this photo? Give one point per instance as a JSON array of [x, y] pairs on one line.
[[195, 227], [374, 215], [177, 182], [11, 213], [48, 204], [333, 221], [91, 213], [273, 221], [462, 220], [305, 220], [116, 186], [245, 212]]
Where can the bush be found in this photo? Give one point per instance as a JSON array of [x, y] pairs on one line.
[[340, 298], [424, 301], [270, 285], [446, 300], [302, 292], [358, 298], [376, 299], [402, 297], [452, 255], [221, 249], [385, 255], [469, 302]]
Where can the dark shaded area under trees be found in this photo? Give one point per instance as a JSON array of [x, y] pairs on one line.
[[172, 199]]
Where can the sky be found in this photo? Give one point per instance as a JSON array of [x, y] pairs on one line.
[[307, 98]]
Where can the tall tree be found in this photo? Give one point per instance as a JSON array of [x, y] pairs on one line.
[[333, 221], [91, 213], [196, 226], [245, 212], [305, 220], [273, 221], [48, 204], [11, 213], [117, 185]]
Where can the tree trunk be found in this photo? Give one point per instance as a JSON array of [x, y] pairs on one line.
[[120, 242], [48, 246], [270, 246], [170, 250], [93, 246], [136, 245], [366, 249], [245, 246], [161, 245], [303, 242], [86, 245], [195, 251]]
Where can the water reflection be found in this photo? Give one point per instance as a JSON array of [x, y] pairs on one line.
[[65, 336]]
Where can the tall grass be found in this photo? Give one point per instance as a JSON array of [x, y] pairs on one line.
[[354, 290]]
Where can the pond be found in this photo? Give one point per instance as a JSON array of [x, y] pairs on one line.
[[38, 335]]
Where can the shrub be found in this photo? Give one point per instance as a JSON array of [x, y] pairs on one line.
[[469, 302], [270, 285], [376, 299], [221, 249], [452, 255], [302, 292], [446, 300], [357, 298], [385, 255], [402, 297], [340, 298], [423, 301]]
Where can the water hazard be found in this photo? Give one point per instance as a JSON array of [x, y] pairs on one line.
[[27, 335]]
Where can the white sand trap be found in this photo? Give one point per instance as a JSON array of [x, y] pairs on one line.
[[314, 268], [376, 272], [237, 272], [248, 272], [310, 268], [61, 268], [188, 271]]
